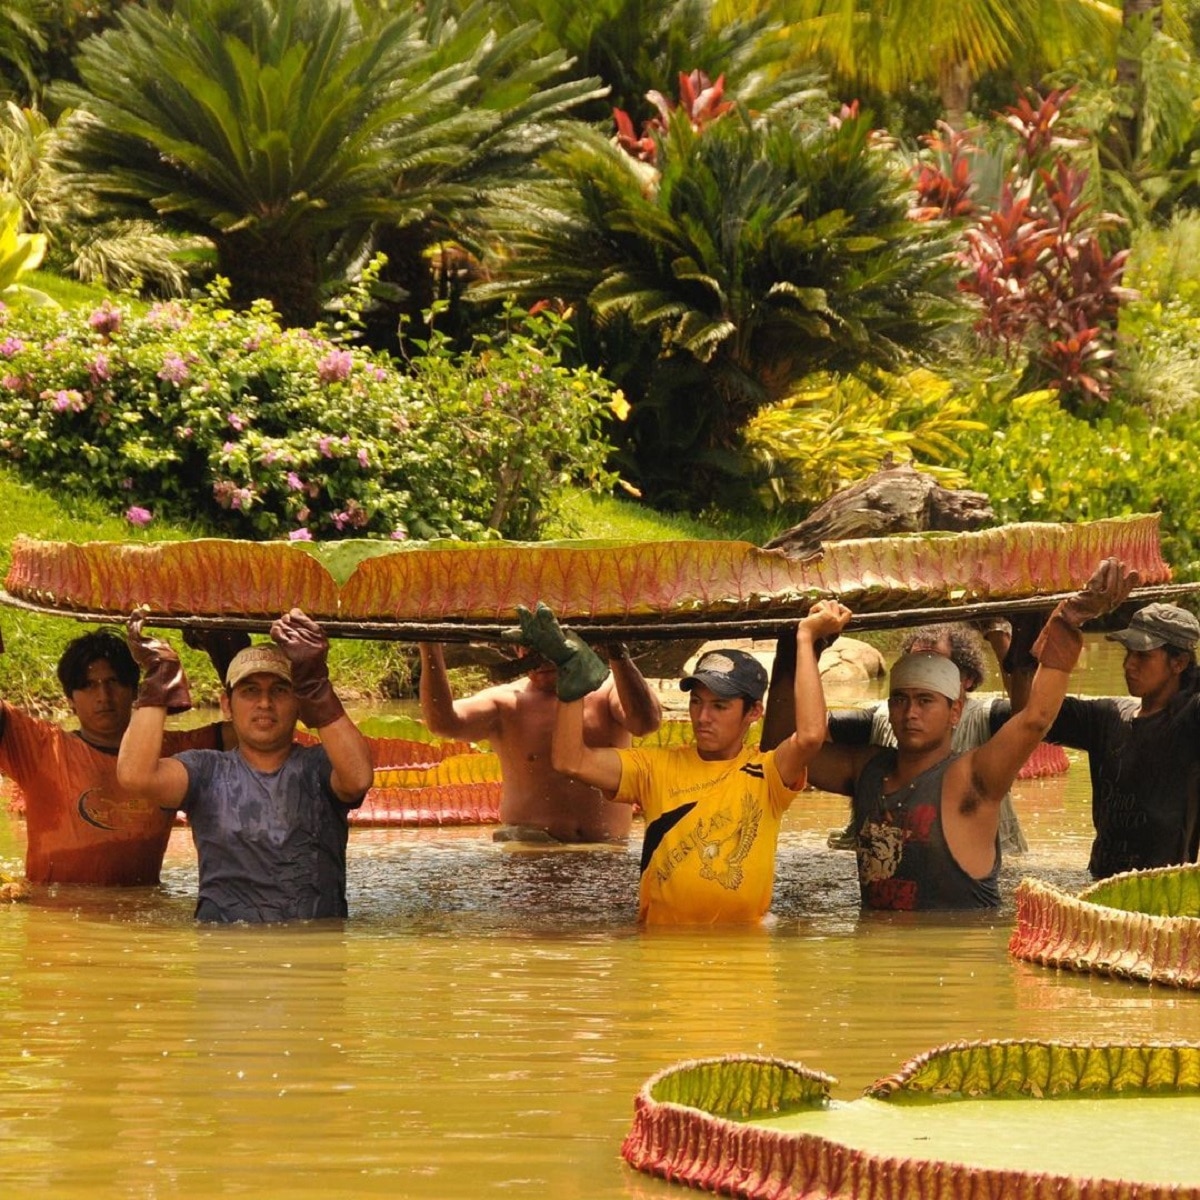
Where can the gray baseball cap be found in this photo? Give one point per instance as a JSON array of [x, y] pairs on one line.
[[729, 673], [1159, 625]]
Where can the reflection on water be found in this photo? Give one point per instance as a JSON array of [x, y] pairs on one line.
[[481, 1024]]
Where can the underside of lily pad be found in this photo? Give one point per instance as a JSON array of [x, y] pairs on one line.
[[642, 583], [967, 1121], [1142, 925]]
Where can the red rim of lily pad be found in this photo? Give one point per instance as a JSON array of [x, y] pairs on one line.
[[1142, 925], [694, 1122]]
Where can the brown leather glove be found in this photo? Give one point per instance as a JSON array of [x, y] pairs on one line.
[[163, 685], [1059, 643], [307, 649]]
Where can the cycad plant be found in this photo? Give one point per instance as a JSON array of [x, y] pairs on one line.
[[754, 251], [288, 130]]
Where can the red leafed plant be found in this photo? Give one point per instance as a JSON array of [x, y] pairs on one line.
[[944, 186], [701, 98], [1037, 261]]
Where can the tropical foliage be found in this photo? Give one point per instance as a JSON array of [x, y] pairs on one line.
[[752, 252], [201, 413], [833, 431], [1036, 260], [286, 131]]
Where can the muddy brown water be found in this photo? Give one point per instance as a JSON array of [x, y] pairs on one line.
[[480, 1025]]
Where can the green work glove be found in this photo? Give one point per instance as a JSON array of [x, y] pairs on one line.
[[580, 668]]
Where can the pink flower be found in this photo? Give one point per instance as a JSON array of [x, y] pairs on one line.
[[335, 366], [300, 535], [106, 319], [236, 422], [11, 346], [98, 369], [65, 400], [324, 444], [13, 382], [295, 482], [399, 534], [363, 460], [136, 515], [174, 369]]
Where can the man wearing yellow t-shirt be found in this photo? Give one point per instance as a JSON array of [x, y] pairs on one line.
[[712, 809]]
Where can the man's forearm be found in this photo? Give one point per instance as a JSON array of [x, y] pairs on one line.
[[141, 748], [643, 713], [437, 700], [350, 757]]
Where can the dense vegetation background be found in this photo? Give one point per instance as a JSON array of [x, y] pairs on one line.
[[319, 269]]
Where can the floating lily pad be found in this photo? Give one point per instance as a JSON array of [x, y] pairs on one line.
[[1141, 925], [965, 1120]]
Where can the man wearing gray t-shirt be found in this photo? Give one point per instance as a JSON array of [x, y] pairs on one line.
[[269, 818]]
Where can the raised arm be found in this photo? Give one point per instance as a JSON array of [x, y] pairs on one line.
[[634, 706], [468, 720], [580, 671], [995, 764], [141, 769], [823, 622], [307, 649]]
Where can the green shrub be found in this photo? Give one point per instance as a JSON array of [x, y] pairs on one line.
[[1037, 462], [834, 431], [194, 411]]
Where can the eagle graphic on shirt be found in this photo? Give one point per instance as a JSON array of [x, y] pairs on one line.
[[724, 843]]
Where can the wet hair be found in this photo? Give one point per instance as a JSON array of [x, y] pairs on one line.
[[97, 646], [966, 649]]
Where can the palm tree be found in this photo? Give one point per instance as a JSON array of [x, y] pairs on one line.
[[756, 251], [949, 44], [287, 130], [638, 46]]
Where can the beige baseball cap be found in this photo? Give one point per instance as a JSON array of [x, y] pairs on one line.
[[258, 660]]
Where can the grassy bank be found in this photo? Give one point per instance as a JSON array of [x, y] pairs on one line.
[[33, 642]]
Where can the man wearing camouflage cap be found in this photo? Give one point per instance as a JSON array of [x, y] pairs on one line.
[[1144, 748]]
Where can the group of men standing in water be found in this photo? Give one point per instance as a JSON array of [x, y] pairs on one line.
[[269, 815]]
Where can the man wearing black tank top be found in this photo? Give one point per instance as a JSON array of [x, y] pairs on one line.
[[927, 820]]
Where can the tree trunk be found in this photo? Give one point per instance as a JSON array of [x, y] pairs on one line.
[[954, 87], [260, 268], [1129, 71], [893, 500]]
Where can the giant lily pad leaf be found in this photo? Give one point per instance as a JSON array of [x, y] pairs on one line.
[[967, 1120], [430, 807], [1142, 925], [628, 583]]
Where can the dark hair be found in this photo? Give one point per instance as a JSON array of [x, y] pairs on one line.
[[1189, 677], [97, 646], [966, 649]]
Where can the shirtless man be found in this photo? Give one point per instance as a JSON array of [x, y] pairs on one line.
[[536, 802]]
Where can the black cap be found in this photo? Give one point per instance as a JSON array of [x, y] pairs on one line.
[[729, 673]]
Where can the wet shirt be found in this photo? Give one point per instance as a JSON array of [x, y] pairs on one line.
[[903, 859], [712, 828], [271, 845], [1145, 774], [81, 825]]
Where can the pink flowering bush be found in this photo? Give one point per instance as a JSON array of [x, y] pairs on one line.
[[193, 411]]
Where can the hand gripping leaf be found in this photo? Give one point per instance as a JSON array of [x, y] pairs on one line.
[[580, 669]]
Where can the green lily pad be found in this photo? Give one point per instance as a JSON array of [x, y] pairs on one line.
[[1027, 1120]]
